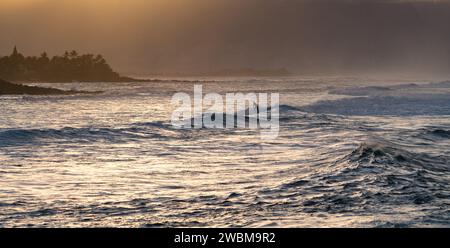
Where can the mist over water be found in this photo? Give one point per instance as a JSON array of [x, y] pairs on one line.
[[201, 36], [367, 148], [113, 159]]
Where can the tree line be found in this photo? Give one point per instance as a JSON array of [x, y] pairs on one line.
[[69, 67]]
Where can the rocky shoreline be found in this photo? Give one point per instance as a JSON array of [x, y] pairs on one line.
[[7, 88]]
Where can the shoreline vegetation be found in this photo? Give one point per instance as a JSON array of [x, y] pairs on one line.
[[74, 67], [16, 70], [70, 67]]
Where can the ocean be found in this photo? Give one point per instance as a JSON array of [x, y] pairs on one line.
[[351, 152]]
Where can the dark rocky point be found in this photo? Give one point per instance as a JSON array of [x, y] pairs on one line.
[[7, 88]]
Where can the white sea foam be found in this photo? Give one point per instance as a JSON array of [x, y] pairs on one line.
[[397, 100], [113, 159]]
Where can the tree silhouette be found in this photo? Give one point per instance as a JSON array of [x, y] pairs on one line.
[[71, 66]]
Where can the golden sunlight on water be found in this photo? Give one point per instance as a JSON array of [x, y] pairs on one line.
[[113, 159]]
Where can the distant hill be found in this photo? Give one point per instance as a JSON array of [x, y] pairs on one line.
[[249, 72], [239, 72], [69, 67]]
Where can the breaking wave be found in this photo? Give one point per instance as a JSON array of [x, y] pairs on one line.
[[325, 169], [15, 137], [377, 176], [418, 105], [400, 100]]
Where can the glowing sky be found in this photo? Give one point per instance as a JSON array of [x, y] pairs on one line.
[[151, 36]]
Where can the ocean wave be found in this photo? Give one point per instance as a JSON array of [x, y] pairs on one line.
[[417, 105], [437, 133], [396, 100], [389, 90], [376, 174], [284, 113], [82, 135], [361, 91]]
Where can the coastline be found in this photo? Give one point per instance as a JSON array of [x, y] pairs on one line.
[[8, 88]]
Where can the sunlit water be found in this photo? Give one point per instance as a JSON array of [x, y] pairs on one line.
[[346, 156]]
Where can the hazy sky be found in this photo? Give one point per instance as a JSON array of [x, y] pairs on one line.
[[151, 36]]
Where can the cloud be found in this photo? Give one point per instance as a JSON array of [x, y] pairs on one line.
[[202, 35]]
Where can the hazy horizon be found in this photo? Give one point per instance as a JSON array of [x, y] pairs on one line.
[[225, 114], [199, 36]]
